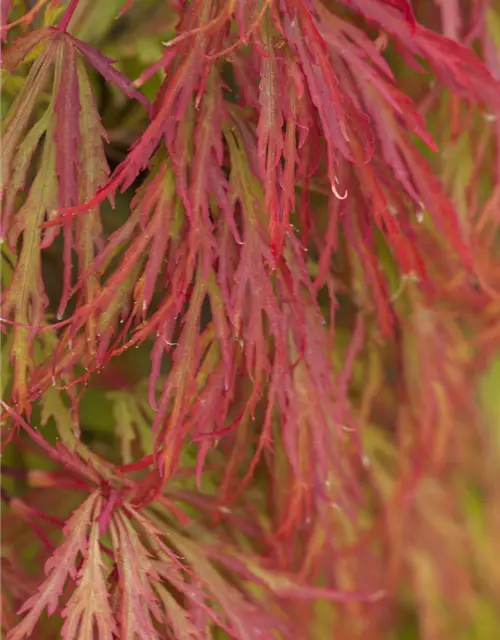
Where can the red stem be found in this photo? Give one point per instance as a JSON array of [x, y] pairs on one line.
[[68, 14]]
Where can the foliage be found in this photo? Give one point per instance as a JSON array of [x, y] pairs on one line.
[[250, 319]]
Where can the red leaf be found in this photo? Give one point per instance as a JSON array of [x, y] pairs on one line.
[[13, 57], [404, 6], [270, 138], [138, 601], [340, 114], [67, 141], [103, 65], [59, 567], [5, 7], [88, 606], [67, 131]]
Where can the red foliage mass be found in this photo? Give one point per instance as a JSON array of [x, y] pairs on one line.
[[223, 219]]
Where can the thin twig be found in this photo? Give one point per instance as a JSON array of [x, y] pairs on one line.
[[68, 14]]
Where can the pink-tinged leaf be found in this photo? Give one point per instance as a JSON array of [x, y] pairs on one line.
[[388, 15], [20, 167], [246, 619], [287, 585], [459, 67], [405, 8], [436, 202], [168, 114], [72, 167], [136, 573], [297, 369], [67, 141], [92, 174], [25, 297], [104, 66], [5, 7], [456, 65], [251, 275], [352, 43], [342, 120], [451, 18], [180, 387], [171, 570], [297, 128], [21, 112], [358, 52], [179, 618], [67, 131], [208, 153], [88, 607], [221, 327], [61, 566], [270, 137], [23, 45]]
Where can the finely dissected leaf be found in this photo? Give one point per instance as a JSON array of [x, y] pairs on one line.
[[269, 131], [456, 64], [179, 618], [132, 422], [171, 104], [245, 620], [25, 299], [305, 256], [299, 365], [15, 125], [53, 406], [207, 595], [350, 124], [13, 57], [88, 607], [16, 586], [61, 566], [105, 67], [93, 170], [138, 603], [67, 139], [73, 166]]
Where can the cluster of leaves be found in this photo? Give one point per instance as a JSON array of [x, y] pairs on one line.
[[242, 401]]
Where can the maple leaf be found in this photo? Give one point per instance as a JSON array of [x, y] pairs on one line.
[[302, 277], [135, 574], [351, 123], [88, 607], [245, 619], [269, 131], [72, 167], [208, 596], [61, 566], [298, 368], [170, 212], [189, 72], [456, 64], [132, 416], [17, 585]]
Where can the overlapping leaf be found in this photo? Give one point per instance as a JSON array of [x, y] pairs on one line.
[[72, 166]]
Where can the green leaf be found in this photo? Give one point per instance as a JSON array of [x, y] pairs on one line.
[[53, 406]]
